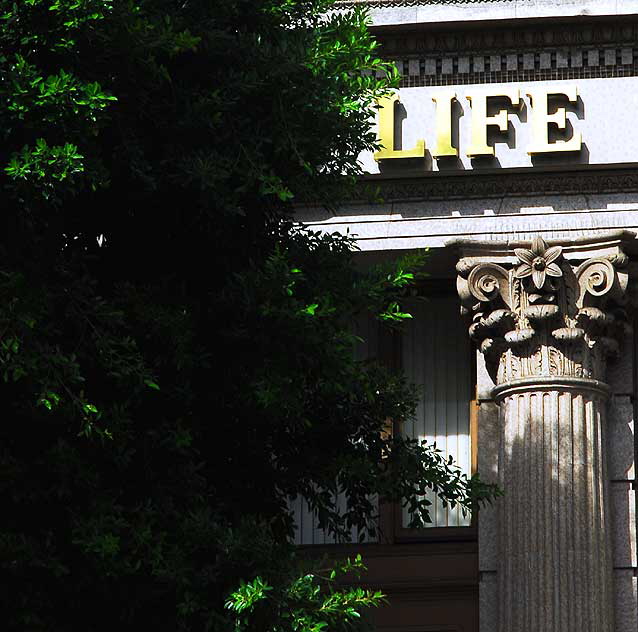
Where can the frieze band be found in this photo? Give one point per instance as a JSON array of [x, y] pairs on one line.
[[481, 185], [512, 39]]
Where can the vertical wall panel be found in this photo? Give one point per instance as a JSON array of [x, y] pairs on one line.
[[436, 358]]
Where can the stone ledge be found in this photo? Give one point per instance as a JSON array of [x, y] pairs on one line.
[[437, 11], [526, 182]]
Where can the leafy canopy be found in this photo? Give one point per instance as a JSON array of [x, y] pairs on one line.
[[176, 356]]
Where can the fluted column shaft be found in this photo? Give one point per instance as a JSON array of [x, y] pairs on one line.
[[555, 568]]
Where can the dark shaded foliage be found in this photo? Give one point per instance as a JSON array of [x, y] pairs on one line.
[[176, 357]]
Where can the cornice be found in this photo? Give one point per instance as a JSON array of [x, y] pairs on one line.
[[513, 37], [408, 3], [497, 185], [526, 52]]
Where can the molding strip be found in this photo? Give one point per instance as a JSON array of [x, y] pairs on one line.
[[546, 51], [480, 185]]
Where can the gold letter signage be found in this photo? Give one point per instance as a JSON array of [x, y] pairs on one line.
[[443, 145], [539, 119], [480, 120], [386, 133]]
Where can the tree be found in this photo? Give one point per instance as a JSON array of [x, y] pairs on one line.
[[176, 355]]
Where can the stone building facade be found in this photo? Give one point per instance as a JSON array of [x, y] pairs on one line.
[[511, 153]]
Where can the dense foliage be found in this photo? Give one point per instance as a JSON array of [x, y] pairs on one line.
[[176, 356]]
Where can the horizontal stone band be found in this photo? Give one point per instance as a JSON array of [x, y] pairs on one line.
[[580, 385]]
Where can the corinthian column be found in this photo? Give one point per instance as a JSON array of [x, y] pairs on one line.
[[547, 325]]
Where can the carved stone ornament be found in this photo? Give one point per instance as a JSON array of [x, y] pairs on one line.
[[546, 319], [544, 316]]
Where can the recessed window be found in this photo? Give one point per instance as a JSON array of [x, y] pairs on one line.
[[436, 357], [435, 353]]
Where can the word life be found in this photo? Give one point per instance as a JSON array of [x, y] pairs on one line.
[[540, 119]]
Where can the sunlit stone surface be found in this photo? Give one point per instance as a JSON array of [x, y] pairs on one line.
[[547, 321]]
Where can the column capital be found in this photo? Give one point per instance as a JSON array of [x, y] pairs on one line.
[[549, 310]]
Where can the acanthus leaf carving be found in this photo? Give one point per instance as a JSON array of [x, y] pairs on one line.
[[541, 316]]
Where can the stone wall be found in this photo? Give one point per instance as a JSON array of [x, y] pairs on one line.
[[571, 199]]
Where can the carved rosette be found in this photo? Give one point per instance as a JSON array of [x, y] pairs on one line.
[[544, 317]]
